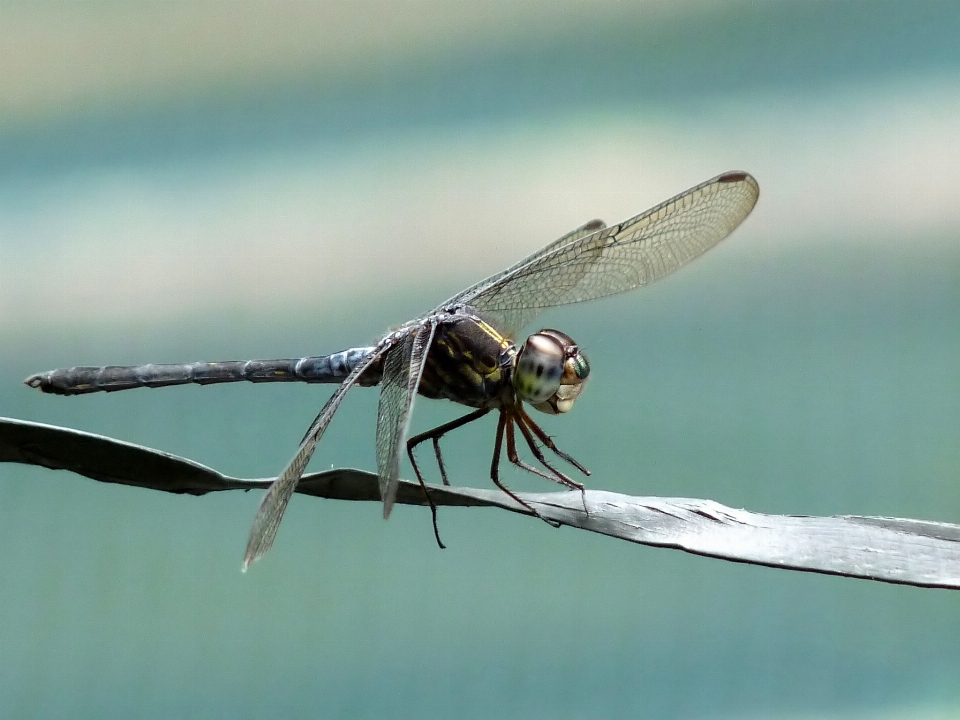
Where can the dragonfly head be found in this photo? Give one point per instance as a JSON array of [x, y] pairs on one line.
[[550, 372]]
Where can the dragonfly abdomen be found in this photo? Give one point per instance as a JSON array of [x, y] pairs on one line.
[[110, 378]]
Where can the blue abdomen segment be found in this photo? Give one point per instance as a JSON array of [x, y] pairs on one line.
[[324, 369]]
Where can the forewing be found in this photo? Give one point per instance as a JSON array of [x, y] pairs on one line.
[[619, 258], [402, 370], [274, 504], [465, 295]]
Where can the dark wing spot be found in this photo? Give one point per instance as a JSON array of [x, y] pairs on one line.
[[732, 177]]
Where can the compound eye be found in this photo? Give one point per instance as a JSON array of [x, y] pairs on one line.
[[540, 368]]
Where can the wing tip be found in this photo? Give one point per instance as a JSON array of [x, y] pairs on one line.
[[736, 176], [254, 552], [739, 177]]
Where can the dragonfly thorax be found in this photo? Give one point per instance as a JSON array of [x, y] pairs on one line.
[[550, 372]]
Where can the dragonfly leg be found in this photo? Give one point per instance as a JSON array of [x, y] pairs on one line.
[[535, 449], [514, 457], [525, 419], [435, 435], [522, 419], [506, 423], [433, 506], [443, 469]]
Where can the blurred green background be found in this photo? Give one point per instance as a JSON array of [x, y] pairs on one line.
[[208, 181]]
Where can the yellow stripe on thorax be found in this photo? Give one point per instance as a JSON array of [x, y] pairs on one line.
[[494, 333]]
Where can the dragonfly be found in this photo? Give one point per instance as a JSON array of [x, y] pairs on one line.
[[464, 350]]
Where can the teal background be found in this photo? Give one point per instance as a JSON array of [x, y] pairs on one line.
[[293, 182]]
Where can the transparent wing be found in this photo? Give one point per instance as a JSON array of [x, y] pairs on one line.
[[619, 258], [472, 291], [402, 370], [274, 504]]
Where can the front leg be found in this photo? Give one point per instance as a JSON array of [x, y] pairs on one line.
[[557, 476], [506, 423], [524, 419]]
